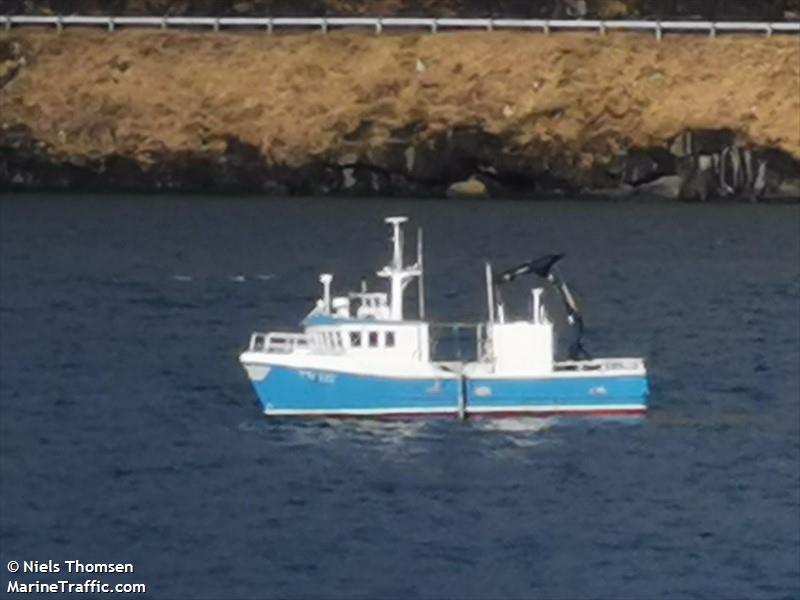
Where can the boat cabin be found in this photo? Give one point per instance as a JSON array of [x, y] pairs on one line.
[[370, 326]]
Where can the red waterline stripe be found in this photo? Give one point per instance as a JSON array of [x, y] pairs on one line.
[[617, 412]]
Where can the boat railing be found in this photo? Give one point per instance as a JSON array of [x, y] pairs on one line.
[[278, 343], [456, 341], [601, 364]]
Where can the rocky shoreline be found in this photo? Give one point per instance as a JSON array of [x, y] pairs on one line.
[[462, 164], [427, 116]]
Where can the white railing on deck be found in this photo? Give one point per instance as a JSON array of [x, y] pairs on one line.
[[379, 24], [601, 364]]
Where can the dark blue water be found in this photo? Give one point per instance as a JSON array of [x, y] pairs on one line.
[[129, 433]]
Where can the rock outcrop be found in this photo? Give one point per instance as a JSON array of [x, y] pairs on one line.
[[469, 188], [353, 113]]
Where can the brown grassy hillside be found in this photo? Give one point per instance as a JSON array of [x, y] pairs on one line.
[[588, 98], [88, 92]]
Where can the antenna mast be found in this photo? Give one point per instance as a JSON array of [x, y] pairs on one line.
[[399, 276], [421, 278]]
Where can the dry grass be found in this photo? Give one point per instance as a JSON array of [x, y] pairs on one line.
[[585, 96]]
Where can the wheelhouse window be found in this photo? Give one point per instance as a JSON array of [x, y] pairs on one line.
[[373, 339], [389, 339], [355, 339]]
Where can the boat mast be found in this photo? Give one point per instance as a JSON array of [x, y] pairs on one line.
[[490, 291], [421, 278], [398, 275], [325, 279], [397, 240]]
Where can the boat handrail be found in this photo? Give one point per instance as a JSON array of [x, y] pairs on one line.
[[600, 364], [278, 342]]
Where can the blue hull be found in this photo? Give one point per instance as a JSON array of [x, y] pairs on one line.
[[302, 391], [557, 395], [305, 392]]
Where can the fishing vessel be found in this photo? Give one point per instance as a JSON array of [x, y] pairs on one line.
[[358, 355]]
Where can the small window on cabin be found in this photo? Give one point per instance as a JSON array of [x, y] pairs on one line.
[[355, 339], [373, 339], [339, 344], [389, 340]]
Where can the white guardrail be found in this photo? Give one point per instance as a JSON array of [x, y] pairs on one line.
[[379, 24]]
